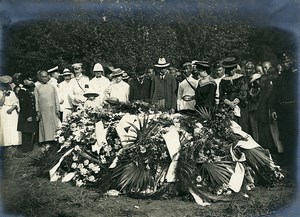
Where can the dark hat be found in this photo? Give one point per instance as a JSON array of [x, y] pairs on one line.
[[217, 65], [140, 70], [25, 76], [285, 57], [202, 65], [230, 62]]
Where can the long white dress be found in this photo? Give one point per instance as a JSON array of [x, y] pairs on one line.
[[8, 122]]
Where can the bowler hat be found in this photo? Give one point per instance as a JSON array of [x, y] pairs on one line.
[[140, 70]]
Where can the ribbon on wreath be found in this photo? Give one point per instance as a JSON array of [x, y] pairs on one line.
[[173, 144], [52, 173], [100, 137], [237, 178]]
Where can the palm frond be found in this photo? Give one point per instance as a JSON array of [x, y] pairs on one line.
[[218, 172], [257, 157], [132, 177], [204, 113]]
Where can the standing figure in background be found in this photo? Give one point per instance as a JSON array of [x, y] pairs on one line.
[[118, 89], [47, 107], [233, 91], [28, 119], [284, 107], [80, 82], [218, 75], [8, 114], [99, 83], [65, 91], [163, 87], [252, 98], [140, 86], [205, 93], [186, 101], [267, 83]]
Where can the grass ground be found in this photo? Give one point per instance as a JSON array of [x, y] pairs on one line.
[[25, 194]]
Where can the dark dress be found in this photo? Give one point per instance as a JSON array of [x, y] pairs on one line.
[[205, 94], [27, 109], [236, 87], [139, 90]]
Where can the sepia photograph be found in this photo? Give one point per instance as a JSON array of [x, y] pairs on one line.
[[149, 108]]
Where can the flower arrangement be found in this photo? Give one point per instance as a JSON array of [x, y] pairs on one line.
[[211, 152]]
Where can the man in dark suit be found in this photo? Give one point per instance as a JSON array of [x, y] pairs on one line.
[[163, 87], [140, 86], [284, 109], [28, 121]]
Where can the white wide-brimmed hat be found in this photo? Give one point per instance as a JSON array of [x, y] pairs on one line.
[[162, 63], [117, 72], [90, 93], [66, 72], [5, 79], [98, 68]]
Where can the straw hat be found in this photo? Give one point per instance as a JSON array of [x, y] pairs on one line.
[[66, 72], [5, 79], [117, 72], [162, 63]]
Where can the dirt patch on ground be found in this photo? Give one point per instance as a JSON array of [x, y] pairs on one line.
[[23, 193]]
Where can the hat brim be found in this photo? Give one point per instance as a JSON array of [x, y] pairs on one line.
[[162, 65], [125, 77], [67, 73], [117, 74], [5, 79], [112, 100], [90, 94]]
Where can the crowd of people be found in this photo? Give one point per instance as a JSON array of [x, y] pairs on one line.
[[263, 98]]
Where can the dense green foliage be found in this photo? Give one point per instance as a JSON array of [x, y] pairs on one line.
[[127, 33]]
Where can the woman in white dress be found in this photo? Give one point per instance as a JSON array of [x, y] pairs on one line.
[[8, 114]]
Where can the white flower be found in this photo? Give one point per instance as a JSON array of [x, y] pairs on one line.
[[83, 171], [103, 160], [86, 162], [75, 158], [143, 149], [77, 148], [91, 166], [74, 165], [96, 169], [220, 191], [199, 179], [61, 139], [91, 179], [79, 183], [80, 166]]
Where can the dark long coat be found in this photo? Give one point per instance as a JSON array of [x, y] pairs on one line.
[[27, 109], [164, 89]]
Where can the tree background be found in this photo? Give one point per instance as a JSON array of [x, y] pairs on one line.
[[124, 33]]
